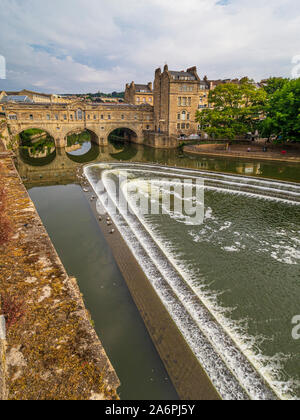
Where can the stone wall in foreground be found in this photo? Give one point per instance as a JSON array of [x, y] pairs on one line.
[[53, 352]]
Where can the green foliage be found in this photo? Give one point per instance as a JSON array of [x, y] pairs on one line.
[[237, 109], [36, 145], [78, 138], [274, 83], [283, 112]]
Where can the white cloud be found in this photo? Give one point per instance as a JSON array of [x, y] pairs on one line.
[[74, 45]]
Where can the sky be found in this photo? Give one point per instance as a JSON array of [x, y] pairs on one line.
[[76, 46]]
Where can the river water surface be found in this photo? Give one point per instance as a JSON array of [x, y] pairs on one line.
[[236, 275]]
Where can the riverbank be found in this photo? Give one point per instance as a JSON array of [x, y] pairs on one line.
[[187, 375], [241, 151], [52, 351]]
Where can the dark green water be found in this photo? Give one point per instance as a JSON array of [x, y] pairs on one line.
[[67, 215], [72, 227]]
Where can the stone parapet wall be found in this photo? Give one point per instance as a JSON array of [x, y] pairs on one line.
[[53, 352]]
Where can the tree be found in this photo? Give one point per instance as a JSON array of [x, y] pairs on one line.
[[283, 112], [235, 110], [273, 84]]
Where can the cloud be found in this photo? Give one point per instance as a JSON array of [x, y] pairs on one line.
[[79, 46]]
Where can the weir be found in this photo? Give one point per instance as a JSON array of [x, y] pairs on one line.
[[232, 372]]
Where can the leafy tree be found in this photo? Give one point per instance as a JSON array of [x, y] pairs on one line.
[[283, 112], [236, 110], [273, 84]]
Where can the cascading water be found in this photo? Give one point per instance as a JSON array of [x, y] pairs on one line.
[[231, 284]]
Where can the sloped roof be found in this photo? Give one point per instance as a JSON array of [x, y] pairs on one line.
[[179, 74], [142, 88], [15, 98]]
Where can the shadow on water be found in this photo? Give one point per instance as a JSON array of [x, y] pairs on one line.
[[90, 155], [36, 161], [127, 151]]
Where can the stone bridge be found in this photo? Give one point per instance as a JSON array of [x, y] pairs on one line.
[[61, 120]]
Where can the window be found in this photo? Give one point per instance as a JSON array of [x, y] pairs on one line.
[[89, 116], [188, 116], [109, 117], [178, 116], [183, 102], [102, 117], [138, 100], [183, 115], [185, 88], [48, 117], [178, 126], [31, 117], [135, 117], [56, 116], [188, 126], [71, 117], [95, 117], [122, 117], [144, 100], [179, 101], [65, 117], [148, 127], [150, 99], [13, 117], [183, 126], [189, 101], [79, 114]]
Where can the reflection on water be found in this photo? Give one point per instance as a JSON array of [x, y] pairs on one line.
[[36, 143], [79, 144], [86, 152]]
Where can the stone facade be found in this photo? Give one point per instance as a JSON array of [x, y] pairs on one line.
[[61, 120], [177, 97], [139, 94]]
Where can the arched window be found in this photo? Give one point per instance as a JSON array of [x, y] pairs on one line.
[[13, 116], [183, 115], [79, 114]]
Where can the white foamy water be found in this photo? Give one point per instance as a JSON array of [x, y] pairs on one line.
[[223, 346]]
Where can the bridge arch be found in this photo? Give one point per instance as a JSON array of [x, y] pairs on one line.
[[124, 133], [36, 145], [93, 134]]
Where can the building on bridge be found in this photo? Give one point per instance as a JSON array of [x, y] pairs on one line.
[[61, 120]]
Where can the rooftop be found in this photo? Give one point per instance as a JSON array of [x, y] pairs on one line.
[[16, 98], [143, 88], [182, 75]]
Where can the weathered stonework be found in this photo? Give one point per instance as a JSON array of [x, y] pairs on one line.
[[53, 352], [139, 94], [177, 97], [61, 120]]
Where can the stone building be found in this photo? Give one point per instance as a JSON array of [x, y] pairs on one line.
[[2, 95], [177, 97], [139, 94]]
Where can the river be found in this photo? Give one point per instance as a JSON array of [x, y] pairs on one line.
[[242, 264]]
